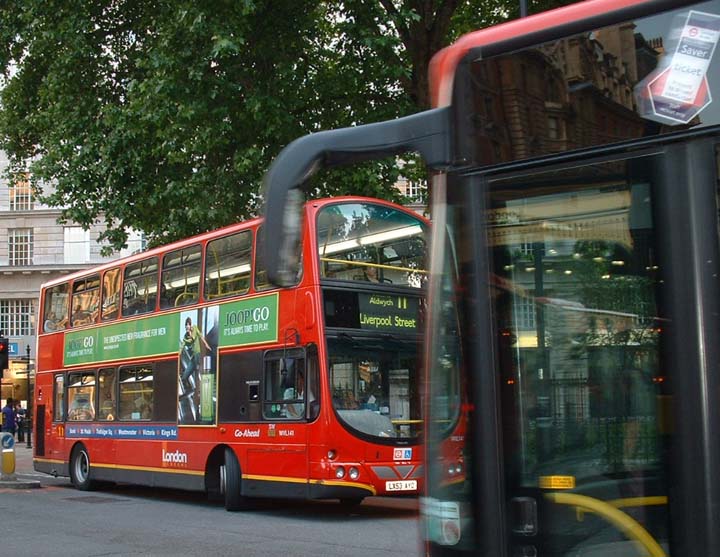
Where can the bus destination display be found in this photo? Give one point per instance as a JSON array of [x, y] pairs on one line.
[[372, 312]]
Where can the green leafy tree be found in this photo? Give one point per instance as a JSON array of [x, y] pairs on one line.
[[163, 115]]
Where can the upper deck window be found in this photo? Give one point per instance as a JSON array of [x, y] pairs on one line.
[[227, 265], [85, 301], [181, 277], [111, 294], [140, 287], [371, 243], [55, 312]]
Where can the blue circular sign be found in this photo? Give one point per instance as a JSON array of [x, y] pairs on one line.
[[8, 441]]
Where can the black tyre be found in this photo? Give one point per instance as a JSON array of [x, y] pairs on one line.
[[80, 469], [231, 483]]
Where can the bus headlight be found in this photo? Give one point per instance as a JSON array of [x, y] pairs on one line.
[[340, 472], [331, 454], [354, 473]]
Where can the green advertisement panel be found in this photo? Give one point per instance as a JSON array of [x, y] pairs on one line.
[[250, 321], [130, 339], [244, 322]]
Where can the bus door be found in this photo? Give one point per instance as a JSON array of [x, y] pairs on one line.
[[290, 401], [596, 423]]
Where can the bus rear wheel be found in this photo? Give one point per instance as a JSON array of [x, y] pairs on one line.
[[231, 483], [80, 469]]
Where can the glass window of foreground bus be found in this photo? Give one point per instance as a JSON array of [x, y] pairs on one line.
[[136, 393], [584, 393], [140, 287], [584, 399], [180, 279], [371, 243], [227, 266], [55, 312]]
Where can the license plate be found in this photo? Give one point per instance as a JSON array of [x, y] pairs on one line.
[[404, 485]]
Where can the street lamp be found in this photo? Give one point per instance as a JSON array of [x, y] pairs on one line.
[[29, 413]]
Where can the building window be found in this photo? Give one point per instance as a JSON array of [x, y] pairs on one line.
[[525, 313], [21, 195], [16, 317], [77, 245], [553, 127], [20, 246], [411, 190], [136, 242]]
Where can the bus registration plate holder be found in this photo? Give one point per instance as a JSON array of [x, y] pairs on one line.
[[401, 485]]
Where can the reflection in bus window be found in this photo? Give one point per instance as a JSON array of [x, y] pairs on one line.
[[371, 243], [55, 311], [85, 301], [111, 295], [584, 393], [227, 266], [180, 280], [136, 393], [107, 408], [140, 287], [59, 398], [81, 396]]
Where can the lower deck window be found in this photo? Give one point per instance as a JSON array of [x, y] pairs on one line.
[[81, 396], [136, 393]]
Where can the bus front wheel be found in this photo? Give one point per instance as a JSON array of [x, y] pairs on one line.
[[230, 483], [80, 469]]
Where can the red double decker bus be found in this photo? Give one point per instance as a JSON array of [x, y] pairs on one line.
[[184, 367]]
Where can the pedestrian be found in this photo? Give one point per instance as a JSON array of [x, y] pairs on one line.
[[9, 418], [20, 421]]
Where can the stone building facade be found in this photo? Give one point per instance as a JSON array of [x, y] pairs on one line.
[[34, 248]]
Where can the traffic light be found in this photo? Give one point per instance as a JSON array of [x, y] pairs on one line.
[[3, 355]]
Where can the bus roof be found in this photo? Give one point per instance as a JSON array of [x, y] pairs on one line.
[[532, 30], [209, 235]]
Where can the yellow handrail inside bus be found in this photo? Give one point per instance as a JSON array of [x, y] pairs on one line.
[[628, 525], [185, 294], [221, 282]]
